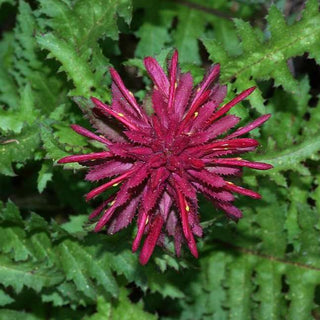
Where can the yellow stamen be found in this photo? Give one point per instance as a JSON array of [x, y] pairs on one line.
[[196, 114], [187, 208], [115, 184], [176, 85], [120, 114], [228, 182]]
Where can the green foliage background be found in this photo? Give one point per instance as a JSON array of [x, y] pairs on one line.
[[52, 266]]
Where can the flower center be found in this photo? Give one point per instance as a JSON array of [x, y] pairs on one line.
[[168, 152]]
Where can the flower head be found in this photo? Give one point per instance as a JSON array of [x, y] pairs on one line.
[[161, 161]]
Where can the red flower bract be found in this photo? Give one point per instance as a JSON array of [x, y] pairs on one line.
[[161, 161]]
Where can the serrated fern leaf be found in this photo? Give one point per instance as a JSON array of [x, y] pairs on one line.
[[17, 148], [265, 59], [8, 91], [291, 159], [74, 42], [54, 148], [80, 265], [5, 298], [289, 138], [76, 67], [27, 65], [266, 268], [27, 274], [10, 237], [44, 176], [67, 269], [250, 285], [14, 119], [125, 310], [17, 315]]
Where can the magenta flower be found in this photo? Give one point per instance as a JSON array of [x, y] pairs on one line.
[[161, 161]]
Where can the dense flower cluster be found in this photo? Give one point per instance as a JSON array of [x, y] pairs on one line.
[[161, 161]]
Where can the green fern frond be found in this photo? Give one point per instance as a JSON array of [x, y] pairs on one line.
[[74, 42], [265, 268], [291, 159], [18, 148], [125, 310], [264, 58], [68, 267]]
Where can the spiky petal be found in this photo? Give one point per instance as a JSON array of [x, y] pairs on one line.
[[161, 161]]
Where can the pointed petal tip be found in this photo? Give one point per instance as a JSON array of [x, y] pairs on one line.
[[175, 55], [145, 254], [137, 240], [90, 195], [134, 247], [265, 166], [74, 126], [194, 252], [98, 227], [114, 75], [254, 195], [233, 218], [102, 222], [63, 160], [214, 72], [148, 60], [112, 71], [264, 117], [193, 246], [95, 100], [151, 240], [98, 103], [234, 214], [85, 157], [143, 259], [92, 215], [244, 94], [80, 130]]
